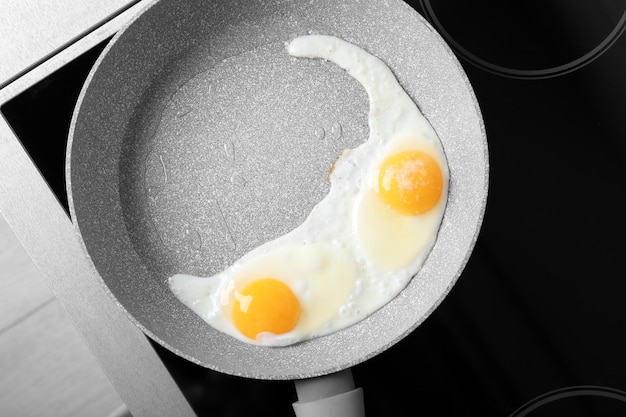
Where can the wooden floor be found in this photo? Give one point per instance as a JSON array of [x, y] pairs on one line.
[[45, 368]]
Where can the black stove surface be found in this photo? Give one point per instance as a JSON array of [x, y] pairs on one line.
[[536, 323]]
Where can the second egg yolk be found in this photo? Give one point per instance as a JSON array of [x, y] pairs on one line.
[[410, 182], [265, 305]]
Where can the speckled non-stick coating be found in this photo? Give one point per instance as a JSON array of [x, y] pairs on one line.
[[196, 138]]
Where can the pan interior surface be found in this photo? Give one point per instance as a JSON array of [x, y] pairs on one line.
[[238, 155], [197, 138]]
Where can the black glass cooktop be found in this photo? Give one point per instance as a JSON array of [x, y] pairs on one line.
[[536, 324]]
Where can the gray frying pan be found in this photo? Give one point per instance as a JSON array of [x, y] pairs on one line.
[[196, 138]]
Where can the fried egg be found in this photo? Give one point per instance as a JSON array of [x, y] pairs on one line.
[[359, 246]]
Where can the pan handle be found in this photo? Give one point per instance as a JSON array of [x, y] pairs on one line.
[[331, 395]]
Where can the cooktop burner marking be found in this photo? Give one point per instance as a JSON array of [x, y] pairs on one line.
[[552, 71], [569, 392]]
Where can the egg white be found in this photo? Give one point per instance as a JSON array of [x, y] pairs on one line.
[[353, 254]]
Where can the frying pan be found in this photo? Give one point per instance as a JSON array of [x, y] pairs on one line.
[[196, 138]]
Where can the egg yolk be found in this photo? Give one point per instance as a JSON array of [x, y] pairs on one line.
[[410, 182], [265, 305]]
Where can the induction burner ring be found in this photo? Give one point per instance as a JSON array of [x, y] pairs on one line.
[[553, 71], [569, 392]]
